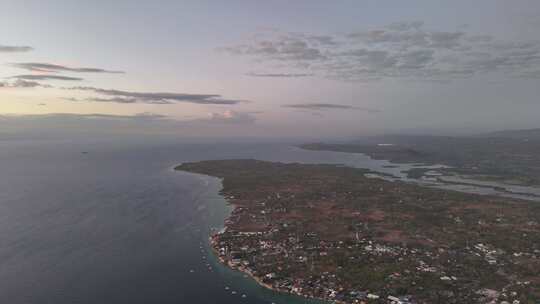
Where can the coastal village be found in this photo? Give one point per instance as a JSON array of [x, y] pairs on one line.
[[328, 232]]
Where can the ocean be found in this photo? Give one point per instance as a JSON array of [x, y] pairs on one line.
[[112, 222], [105, 221]]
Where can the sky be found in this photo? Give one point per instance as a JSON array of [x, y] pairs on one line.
[[269, 68]]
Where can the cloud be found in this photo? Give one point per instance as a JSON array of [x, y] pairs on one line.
[[150, 116], [403, 50], [277, 75], [407, 37], [118, 99], [232, 117], [318, 106], [21, 83], [15, 49], [529, 74], [119, 96], [285, 49], [322, 39], [46, 77], [370, 59], [406, 25], [328, 106], [98, 99], [52, 68], [416, 59]]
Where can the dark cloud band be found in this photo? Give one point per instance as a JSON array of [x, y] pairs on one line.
[[328, 106], [119, 96], [46, 77], [15, 49], [279, 75], [51, 68]]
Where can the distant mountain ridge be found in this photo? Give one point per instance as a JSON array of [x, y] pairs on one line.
[[412, 139]]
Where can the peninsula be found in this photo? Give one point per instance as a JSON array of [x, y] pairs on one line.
[[329, 232]]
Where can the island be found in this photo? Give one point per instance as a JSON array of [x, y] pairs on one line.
[[331, 233]]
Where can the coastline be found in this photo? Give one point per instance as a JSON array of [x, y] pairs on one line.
[[289, 232], [215, 251], [240, 276]]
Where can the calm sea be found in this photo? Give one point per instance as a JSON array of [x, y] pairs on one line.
[[116, 224]]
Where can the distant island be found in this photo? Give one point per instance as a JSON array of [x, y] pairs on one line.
[[328, 232], [511, 157]]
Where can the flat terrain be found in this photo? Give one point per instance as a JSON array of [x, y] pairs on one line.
[[329, 232]]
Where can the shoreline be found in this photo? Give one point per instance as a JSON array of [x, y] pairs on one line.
[[291, 235], [246, 272]]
